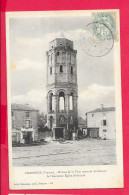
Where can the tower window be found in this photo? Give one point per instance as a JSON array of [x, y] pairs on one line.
[[71, 70], [57, 53], [61, 68], [71, 101], [50, 70], [61, 101]]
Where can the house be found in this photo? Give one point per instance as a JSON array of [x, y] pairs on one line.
[[24, 122], [101, 123]]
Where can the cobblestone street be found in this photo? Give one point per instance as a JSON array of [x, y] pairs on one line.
[[68, 153]]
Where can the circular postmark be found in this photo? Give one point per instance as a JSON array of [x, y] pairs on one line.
[[96, 39], [107, 19]]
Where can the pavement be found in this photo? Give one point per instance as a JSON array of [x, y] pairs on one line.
[[68, 153]]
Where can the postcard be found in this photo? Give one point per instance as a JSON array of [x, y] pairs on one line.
[[64, 99]]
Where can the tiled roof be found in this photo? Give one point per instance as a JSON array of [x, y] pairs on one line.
[[102, 110], [22, 107]]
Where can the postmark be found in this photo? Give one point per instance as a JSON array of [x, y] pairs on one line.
[[96, 39]]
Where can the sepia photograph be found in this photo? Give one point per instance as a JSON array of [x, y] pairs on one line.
[[64, 96]]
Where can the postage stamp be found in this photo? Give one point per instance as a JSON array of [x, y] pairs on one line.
[[107, 18]]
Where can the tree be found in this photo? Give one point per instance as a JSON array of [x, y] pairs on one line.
[[42, 120]]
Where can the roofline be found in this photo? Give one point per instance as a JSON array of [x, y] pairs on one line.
[[60, 38], [25, 109], [100, 111]]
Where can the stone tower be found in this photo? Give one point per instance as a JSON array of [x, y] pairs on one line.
[[62, 89]]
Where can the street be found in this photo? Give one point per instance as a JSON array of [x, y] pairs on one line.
[[68, 153]]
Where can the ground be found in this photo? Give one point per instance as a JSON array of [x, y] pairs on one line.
[[68, 153]]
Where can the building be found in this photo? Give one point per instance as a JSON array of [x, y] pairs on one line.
[[101, 123], [24, 123], [62, 89]]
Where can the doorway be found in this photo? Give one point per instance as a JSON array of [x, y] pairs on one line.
[[28, 137], [59, 133], [94, 133]]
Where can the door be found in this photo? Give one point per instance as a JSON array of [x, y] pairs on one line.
[[59, 133], [28, 138], [94, 133]]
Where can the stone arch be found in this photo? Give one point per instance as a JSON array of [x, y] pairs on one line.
[[61, 94], [72, 100]]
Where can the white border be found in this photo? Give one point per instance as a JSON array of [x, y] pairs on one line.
[[113, 177]]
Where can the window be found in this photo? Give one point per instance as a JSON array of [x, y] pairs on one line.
[[27, 114], [71, 101], [12, 113], [104, 122], [27, 124], [60, 44], [61, 101], [57, 53], [71, 70], [61, 68], [50, 70], [92, 115], [104, 130]]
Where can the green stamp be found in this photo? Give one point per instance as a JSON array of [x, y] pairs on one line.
[[104, 26]]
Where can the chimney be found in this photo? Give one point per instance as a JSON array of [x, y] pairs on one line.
[[101, 106]]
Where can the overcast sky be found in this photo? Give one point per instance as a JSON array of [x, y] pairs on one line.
[[29, 40]]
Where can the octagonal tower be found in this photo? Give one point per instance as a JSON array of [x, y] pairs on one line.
[[62, 89]]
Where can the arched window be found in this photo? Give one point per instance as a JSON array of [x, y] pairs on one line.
[[61, 68], [61, 101], [71, 101], [71, 70]]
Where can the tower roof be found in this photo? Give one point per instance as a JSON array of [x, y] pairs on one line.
[[58, 42]]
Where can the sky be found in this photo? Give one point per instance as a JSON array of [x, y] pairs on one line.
[[29, 40]]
